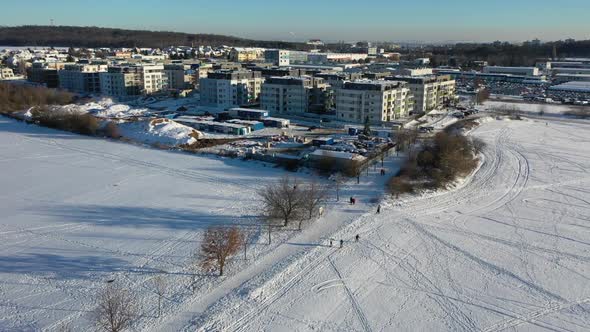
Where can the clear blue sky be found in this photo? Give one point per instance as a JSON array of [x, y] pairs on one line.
[[388, 20]]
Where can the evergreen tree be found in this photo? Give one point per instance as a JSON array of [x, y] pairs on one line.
[[367, 128]]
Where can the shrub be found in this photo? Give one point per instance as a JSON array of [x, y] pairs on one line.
[[84, 124], [400, 185], [112, 130], [14, 98]]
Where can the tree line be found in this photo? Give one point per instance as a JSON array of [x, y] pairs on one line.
[[65, 36]]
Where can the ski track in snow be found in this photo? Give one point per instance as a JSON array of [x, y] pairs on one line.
[[427, 269]]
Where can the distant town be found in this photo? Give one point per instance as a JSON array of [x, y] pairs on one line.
[[169, 181], [349, 87]]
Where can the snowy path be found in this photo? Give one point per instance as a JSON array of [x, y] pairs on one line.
[[509, 250]]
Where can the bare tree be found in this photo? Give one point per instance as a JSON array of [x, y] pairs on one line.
[[117, 309], [269, 222], [160, 288], [218, 245], [338, 181], [314, 194], [282, 200], [248, 236], [354, 169]]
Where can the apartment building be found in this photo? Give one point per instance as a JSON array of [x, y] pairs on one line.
[[430, 92], [229, 88], [81, 78], [320, 58], [294, 95], [179, 76], [6, 74], [154, 79], [245, 54], [122, 81], [45, 73], [336, 80], [298, 57], [277, 57], [268, 72], [202, 72], [379, 101], [413, 72]]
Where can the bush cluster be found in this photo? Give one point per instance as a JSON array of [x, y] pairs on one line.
[[84, 124], [439, 163], [15, 98]]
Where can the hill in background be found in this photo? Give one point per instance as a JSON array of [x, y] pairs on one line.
[[66, 36]]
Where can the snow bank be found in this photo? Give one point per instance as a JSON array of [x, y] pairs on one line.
[[160, 131], [527, 107], [106, 108], [119, 111]]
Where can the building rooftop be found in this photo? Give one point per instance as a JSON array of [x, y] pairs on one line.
[[373, 85]]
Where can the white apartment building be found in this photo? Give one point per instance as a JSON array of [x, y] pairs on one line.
[[6, 74], [122, 81], [292, 95], [413, 72], [227, 88], [202, 72], [179, 76], [379, 101], [154, 79], [430, 92], [277, 57], [81, 78]]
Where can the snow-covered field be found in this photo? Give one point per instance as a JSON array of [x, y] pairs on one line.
[[507, 250], [510, 250], [78, 211]]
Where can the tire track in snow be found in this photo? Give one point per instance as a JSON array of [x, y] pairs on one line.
[[531, 317], [355, 305]]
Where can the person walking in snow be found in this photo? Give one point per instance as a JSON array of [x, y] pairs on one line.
[[351, 200], [379, 209], [357, 237], [341, 243], [330, 242]]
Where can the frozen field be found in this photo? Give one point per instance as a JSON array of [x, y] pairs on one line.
[[508, 250]]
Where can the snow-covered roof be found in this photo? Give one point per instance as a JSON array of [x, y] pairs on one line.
[[337, 154]]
